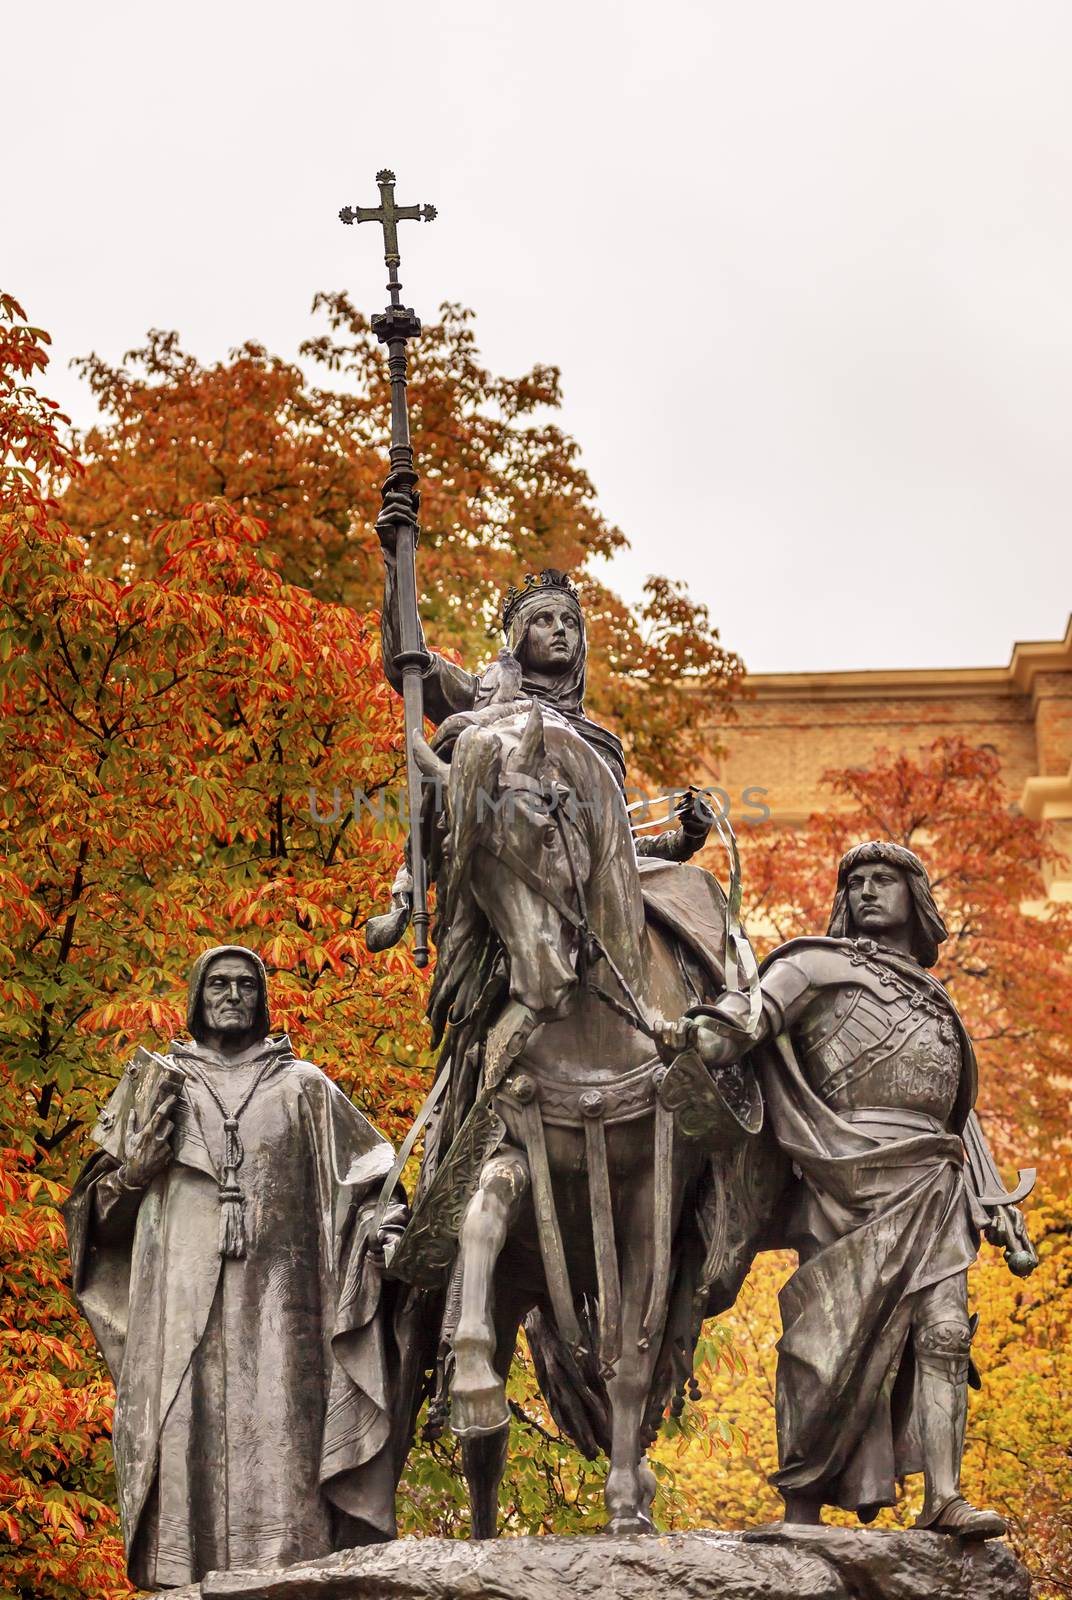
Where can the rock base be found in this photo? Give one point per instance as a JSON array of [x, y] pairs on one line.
[[773, 1563]]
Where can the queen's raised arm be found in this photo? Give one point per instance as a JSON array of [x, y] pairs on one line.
[[447, 688]]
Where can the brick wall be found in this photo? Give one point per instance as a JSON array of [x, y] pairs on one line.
[[794, 726]]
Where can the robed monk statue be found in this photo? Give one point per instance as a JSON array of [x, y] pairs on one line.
[[220, 1250]]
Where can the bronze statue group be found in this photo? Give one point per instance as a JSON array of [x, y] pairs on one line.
[[624, 1114]]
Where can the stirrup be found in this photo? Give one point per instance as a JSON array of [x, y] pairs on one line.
[[384, 932]]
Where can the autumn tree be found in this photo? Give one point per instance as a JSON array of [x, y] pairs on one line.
[[57, 1516], [191, 693], [503, 492], [188, 653], [161, 737]]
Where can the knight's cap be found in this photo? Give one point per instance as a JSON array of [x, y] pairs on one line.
[[549, 581]]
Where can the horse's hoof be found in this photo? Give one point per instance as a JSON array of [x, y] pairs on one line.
[[477, 1412], [623, 1527]]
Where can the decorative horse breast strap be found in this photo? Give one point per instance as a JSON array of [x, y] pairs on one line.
[[718, 1109]]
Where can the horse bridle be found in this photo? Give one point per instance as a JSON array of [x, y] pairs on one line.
[[554, 797]]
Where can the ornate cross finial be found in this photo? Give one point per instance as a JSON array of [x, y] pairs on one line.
[[401, 504], [389, 215]]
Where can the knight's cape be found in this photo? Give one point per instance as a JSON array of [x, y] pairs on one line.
[[877, 1222]]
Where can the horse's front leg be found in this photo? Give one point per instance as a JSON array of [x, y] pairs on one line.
[[483, 1463], [648, 1485], [484, 1454], [477, 1391], [630, 1482]]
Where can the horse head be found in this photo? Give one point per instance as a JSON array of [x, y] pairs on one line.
[[534, 816]]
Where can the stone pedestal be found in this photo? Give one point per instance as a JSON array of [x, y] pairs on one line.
[[765, 1564]]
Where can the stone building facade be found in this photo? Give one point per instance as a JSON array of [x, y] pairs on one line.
[[792, 727]]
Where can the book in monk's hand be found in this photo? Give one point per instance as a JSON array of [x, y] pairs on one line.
[[148, 1079]]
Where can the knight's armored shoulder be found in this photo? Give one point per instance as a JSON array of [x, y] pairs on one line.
[[801, 968], [823, 961]]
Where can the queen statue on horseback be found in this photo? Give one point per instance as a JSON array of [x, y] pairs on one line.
[[573, 1179]]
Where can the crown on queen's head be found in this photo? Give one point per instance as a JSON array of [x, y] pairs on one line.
[[549, 581]]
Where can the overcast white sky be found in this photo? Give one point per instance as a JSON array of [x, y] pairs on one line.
[[806, 265]]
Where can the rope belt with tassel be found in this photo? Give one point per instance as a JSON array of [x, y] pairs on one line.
[[232, 1199]]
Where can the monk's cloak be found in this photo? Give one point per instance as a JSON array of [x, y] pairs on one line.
[[252, 1420], [877, 1222]]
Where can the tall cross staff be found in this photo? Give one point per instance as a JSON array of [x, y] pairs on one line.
[[401, 503]]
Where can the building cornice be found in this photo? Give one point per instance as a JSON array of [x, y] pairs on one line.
[[1027, 661], [1048, 799]]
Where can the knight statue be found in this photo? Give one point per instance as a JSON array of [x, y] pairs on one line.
[[869, 1080]]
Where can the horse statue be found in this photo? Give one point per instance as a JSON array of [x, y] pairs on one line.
[[577, 1177]]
